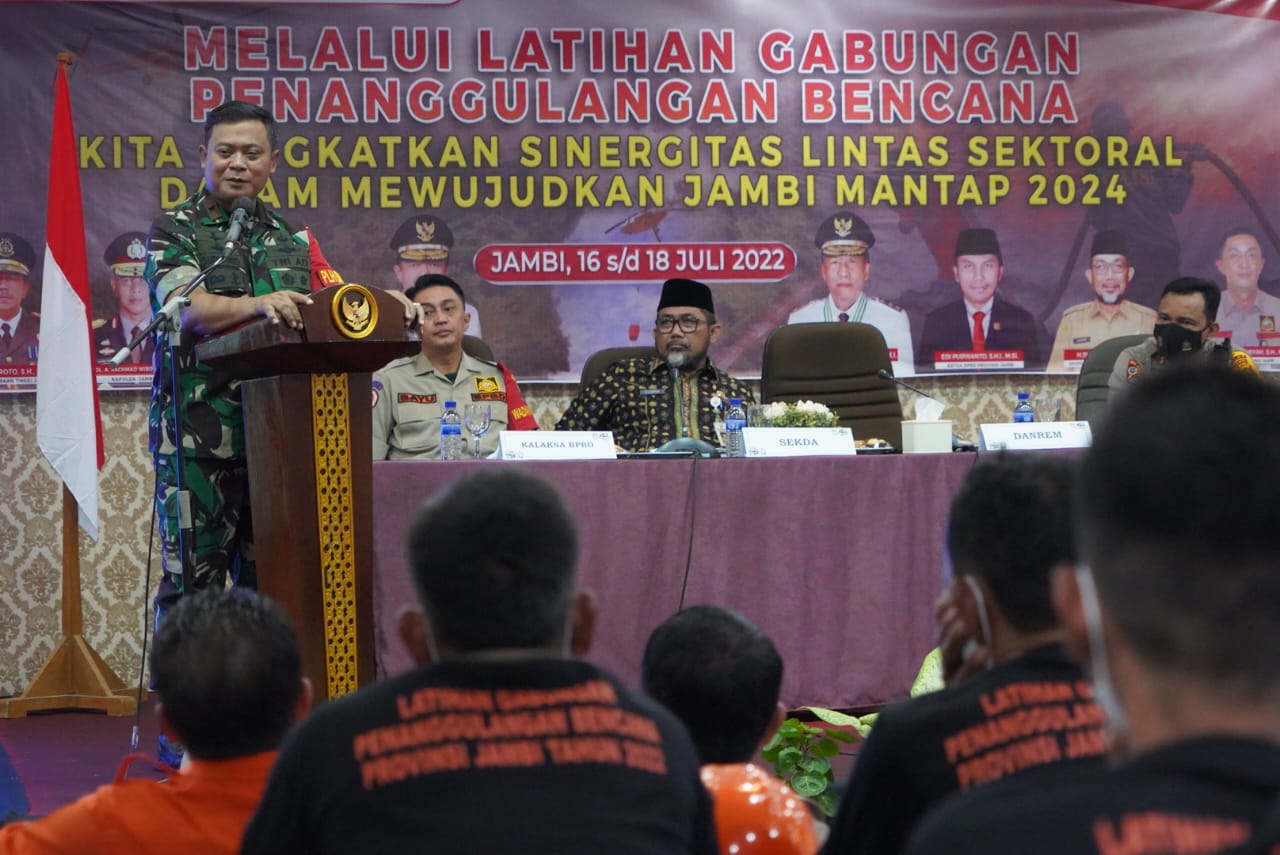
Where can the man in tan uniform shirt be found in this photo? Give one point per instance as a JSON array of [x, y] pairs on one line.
[[1109, 314]]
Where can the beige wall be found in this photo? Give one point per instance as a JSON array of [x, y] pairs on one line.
[[113, 568]]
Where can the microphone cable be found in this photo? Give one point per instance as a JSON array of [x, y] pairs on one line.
[[146, 619]]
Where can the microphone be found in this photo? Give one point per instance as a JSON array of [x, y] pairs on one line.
[[885, 375], [674, 361], [239, 216]]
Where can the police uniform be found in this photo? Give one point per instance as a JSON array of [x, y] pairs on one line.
[[1145, 357], [19, 335], [274, 257], [1255, 326], [125, 256], [409, 396], [846, 234], [426, 237], [1085, 325]]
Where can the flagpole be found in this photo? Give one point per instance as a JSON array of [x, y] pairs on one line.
[[74, 677]]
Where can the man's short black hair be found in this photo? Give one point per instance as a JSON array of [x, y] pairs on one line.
[[1236, 231], [720, 675], [226, 666], [1178, 515], [494, 557], [1010, 524], [429, 280], [1195, 285], [240, 111]]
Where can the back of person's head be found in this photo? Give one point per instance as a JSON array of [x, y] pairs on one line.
[[228, 673], [1010, 524], [240, 111], [720, 675], [429, 280], [1194, 285], [1178, 514], [494, 558]]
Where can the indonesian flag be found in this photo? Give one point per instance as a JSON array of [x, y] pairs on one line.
[[68, 425]]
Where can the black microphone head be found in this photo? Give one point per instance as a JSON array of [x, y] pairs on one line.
[[243, 203], [884, 375]]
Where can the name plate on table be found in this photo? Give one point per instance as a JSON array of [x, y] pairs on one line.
[[556, 445], [797, 442], [1030, 436]]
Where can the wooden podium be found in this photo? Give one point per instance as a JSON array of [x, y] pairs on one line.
[[307, 416]]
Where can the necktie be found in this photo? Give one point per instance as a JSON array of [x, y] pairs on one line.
[[844, 317], [979, 337], [135, 355], [6, 340]]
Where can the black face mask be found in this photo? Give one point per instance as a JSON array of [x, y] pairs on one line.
[[1176, 341]]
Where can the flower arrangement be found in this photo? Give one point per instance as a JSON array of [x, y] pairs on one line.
[[800, 414]]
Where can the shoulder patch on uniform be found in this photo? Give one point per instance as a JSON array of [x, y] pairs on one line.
[[888, 303], [1132, 370]]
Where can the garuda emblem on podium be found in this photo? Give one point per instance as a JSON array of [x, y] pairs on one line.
[[355, 311]]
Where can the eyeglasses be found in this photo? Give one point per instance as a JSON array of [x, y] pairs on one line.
[[688, 323]]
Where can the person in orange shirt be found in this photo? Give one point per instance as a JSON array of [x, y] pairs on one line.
[[228, 676], [722, 677]]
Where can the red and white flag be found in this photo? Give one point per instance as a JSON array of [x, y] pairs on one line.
[[68, 425]]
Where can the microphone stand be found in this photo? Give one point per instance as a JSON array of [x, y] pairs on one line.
[[169, 321]]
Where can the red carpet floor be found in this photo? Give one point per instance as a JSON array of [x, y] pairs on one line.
[[52, 759]]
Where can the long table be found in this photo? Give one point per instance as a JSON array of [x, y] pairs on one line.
[[838, 559]]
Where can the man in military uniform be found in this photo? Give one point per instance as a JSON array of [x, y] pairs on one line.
[[1110, 314], [19, 328], [981, 319], [126, 258], [1185, 329], [422, 245], [269, 276], [1247, 316], [846, 241], [409, 394], [680, 393]]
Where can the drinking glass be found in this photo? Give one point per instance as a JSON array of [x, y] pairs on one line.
[[476, 417]]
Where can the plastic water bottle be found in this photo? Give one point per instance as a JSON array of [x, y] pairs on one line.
[[1023, 411], [734, 421], [450, 432]]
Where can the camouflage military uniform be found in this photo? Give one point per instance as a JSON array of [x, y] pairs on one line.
[[634, 399], [183, 242]]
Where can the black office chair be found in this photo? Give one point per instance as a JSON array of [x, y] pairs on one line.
[[837, 365], [602, 359], [477, 348], [1095, 374]]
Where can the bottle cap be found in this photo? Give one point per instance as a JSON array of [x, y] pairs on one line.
[[735, 402], [1024, 396], [450, 404]]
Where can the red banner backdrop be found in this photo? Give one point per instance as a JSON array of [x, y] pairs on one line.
[[578, 155]]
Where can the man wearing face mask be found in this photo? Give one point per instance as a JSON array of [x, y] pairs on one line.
[[1186, 323], [680, 394], [1027, 710], [1175, 613]]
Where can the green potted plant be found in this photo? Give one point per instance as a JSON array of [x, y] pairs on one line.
[[801, 753]]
